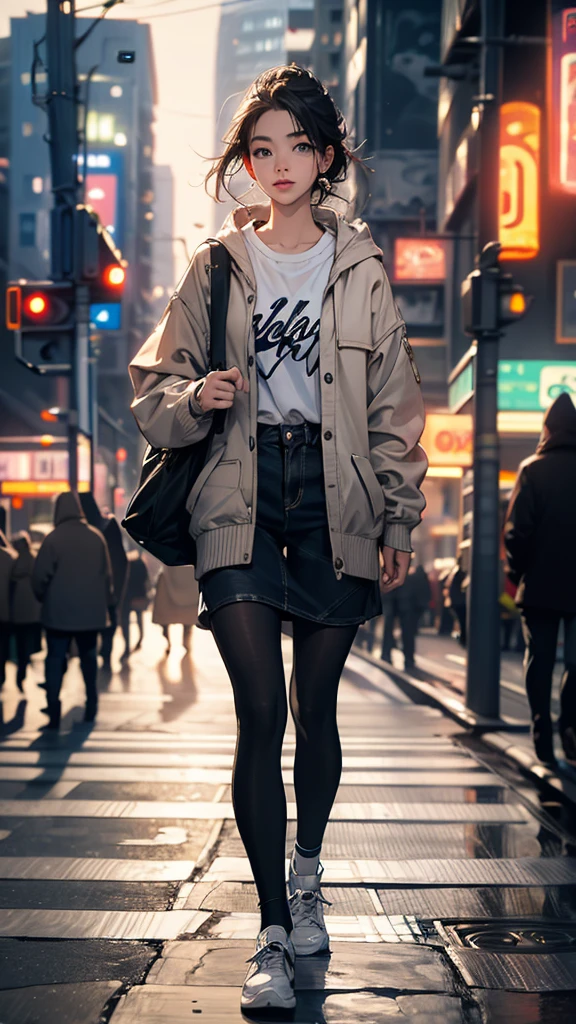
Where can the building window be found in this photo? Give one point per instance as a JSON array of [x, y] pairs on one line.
[[334, 61], [28, 230], [336, 16], [27, 128]]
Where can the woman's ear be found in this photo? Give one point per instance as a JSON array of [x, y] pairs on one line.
[[248, 165], [325, 160]]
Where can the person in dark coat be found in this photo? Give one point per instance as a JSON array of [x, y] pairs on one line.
[[540, 544], [112, 534], [136, 599], [25, 609], [7, 559], [407, 604], [72, 579], [455, 598]]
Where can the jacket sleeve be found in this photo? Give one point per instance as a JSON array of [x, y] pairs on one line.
[[172, 364], [520, 526], [44, 569], [395, 422]]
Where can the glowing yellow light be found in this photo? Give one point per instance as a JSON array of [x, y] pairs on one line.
[[517, 302]]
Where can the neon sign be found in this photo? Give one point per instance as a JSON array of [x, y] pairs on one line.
[[519, 216], [563, 100]]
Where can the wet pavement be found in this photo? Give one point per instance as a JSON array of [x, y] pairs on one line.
[[126, 896]]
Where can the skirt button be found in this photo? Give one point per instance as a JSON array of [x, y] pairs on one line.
[[288, 435]]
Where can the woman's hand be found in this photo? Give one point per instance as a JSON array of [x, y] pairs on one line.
[[395, 565], [219, 389]]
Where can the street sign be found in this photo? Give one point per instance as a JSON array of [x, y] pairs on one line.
[[532, 384]]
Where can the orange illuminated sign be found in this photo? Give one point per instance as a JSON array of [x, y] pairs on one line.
[[34, 488], [562, 100], [447, 440], [419, 259], [519, 218]]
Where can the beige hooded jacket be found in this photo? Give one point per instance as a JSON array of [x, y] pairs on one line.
[[372, 409]]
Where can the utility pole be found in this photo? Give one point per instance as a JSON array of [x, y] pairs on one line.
[[62, 110], [483, 662]]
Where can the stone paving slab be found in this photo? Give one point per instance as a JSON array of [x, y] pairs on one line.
[[85, 895], [48, 962], [149, 759], [222, 962], [527, 1008], [57, 1004], [146, 1006], [241, 897], [97, 924], [524, 972], [408, 812]]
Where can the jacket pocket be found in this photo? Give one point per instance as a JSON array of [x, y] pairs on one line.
[[370, 484], [358, 341], [219, 501]]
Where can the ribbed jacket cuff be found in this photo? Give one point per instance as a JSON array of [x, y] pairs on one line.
[[397, 536]]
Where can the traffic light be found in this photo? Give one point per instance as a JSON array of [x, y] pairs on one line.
[[491, 299], [41, 313], [100, 266]]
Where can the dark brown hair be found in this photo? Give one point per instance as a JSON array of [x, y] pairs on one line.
[[297, 90]]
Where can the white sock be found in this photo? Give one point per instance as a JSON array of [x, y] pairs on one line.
[[305, 865]]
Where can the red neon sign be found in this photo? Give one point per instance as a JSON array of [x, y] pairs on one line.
[[563, 100]]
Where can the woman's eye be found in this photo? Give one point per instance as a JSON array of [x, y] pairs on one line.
[[261, 151], [304, 146]]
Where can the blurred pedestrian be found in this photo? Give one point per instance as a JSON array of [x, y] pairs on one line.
[[455, 599], [73, 579], [176, 601], [540, 542], [406, 604], [25, 609], [7, 559], [136, 599], [110, 530]]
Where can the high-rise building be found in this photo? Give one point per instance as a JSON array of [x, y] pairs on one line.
[[115, 162], [250, 40]]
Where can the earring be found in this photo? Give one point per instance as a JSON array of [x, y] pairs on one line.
[[325, 183]]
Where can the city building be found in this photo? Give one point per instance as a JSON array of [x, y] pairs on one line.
[[117, 92], [250, 40], [535, 207], [328, 46]]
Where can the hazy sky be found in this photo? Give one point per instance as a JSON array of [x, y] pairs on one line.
[[184, 49]]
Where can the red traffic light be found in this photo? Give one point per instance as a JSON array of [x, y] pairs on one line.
[[121, 455], [36, 306], [113, 276]]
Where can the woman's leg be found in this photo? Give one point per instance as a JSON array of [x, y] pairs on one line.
[[248, 637], [320, 653], [22, 634]]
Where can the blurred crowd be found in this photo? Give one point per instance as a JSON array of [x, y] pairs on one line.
[[70, 593]]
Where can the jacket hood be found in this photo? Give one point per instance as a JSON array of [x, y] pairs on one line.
[[67, 507], [354, 242], [559, 430], [90, 510]]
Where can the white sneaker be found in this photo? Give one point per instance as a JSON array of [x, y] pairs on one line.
[[270, 979], [305, 900]]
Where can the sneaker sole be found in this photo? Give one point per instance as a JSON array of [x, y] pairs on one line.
[[268, 1001]]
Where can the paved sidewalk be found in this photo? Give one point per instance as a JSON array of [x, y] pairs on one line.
[[126, 895]]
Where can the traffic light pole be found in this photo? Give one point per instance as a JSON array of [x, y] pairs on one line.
[[62, 112], [483, 661]]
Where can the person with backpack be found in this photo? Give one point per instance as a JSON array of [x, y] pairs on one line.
[[316, 474]]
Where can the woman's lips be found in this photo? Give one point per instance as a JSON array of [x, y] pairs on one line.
[[283, 184]]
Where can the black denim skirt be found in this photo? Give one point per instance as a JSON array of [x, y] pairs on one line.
[[292, 564]]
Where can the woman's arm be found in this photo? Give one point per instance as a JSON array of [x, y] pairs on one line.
[[173, 363], [395, 422], [519, 527]]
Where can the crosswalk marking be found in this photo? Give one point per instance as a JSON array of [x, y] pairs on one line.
[[207, 760], [405, 812], [95, 869], [100, 924]]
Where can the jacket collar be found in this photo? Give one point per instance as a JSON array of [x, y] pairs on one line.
[[354, 243]]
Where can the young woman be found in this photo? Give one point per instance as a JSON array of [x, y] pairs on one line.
[[317, 470]]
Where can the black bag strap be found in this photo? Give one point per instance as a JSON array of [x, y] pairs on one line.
[[219, 296]]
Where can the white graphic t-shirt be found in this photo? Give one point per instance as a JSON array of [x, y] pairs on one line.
[[286, 320]]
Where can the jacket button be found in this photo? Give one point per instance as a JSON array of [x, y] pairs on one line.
[[338, 563], [252, 444], [250, 360], [327, 435], [328, 378], [246, 556], [250, 299]]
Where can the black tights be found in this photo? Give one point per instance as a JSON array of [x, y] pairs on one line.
[[248, 637]]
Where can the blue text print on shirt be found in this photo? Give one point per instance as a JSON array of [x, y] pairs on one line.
[[295, 337]]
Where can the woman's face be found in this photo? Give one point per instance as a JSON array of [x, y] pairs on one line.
[[282, 158]]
